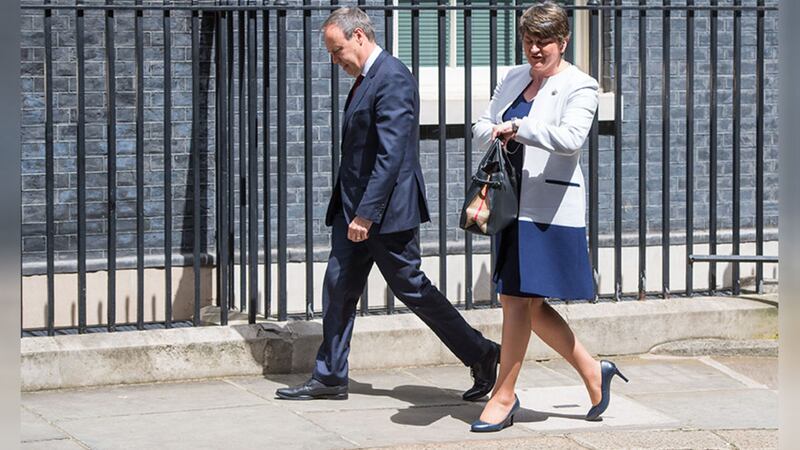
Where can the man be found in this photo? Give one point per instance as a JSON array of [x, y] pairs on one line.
[[377, 205]]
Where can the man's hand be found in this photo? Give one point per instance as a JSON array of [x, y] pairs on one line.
[[504, 131], [359, 229]]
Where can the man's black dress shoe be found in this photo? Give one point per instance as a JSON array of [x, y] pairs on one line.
[[484, 372], [311, 390]]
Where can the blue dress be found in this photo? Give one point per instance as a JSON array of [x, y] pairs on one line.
[[535, 259]]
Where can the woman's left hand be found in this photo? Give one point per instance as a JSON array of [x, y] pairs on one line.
[[504, 131]]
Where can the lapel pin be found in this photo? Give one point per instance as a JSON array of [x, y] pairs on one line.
[[554, 92]]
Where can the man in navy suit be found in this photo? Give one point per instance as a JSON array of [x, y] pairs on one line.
[[377, 205]]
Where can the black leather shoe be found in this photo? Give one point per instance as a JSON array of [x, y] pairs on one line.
[[484, 373], [311, 390]]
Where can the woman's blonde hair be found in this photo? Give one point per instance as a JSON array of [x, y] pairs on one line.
[[546, 20]]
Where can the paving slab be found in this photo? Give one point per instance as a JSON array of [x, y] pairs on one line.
[[717, 409], [761, 370], [241, 428], [265, 386], [536, 442], [35, 428], [661, 375], [719, 347], [751, 439], [564, 408], [413, 425], [57, 444], [139, 399], [650, 439]]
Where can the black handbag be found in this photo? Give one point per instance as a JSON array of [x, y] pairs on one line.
[[491, 202]]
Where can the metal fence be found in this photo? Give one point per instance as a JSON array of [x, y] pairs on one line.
[[247, 105]]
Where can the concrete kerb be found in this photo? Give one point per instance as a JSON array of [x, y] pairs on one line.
[[629, 327]]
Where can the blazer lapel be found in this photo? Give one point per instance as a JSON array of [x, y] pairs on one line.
[[515, 88], [359, 94]]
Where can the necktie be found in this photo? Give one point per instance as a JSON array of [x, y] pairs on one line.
[[353, 90]]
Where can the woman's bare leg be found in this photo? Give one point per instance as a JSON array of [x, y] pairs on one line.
[[555, 332], [516, 335]]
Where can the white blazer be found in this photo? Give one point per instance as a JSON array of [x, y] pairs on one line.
[[552, 184]]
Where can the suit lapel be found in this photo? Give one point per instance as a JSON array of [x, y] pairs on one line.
[[359, 94]]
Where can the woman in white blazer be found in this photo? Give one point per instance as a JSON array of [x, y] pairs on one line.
[[543, 111]]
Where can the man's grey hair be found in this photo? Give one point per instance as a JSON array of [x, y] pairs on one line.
[[348, 19]]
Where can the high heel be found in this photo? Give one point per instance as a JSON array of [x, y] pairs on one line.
[[607, 371], [480, 426]]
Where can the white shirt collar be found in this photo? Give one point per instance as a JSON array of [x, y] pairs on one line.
[[371, 60]]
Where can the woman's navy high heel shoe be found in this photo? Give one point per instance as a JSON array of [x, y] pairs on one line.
[[480, 426], [607, 370]]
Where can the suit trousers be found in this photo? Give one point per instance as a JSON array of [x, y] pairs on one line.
[[397, 256]]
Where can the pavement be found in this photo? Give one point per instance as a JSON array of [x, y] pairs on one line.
[[688, 394]]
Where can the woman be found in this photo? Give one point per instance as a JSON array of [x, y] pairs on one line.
[[543, 111]]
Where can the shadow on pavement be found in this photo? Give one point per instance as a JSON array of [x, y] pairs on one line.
[[430, 404]]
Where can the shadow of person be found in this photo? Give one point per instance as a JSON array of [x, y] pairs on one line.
[[429, 404]]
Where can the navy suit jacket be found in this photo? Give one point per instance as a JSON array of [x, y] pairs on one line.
[[380, 178]]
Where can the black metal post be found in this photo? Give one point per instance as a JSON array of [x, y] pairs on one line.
[[242, 153], [737, 143], [139, 52], [642, 38], [252, 161], [442, 56], [167, 168], [518, 53], [594, 149], [111, 144], [415, 40], [49, 169], [712, 144], [468, 300], [308, 120], [281, 50], [334, 118], [665, 153], [197, 208], [618, 152], [230, 124], [267, 113], [760, 145], [689, 145], [492, 85], [81, 150], [223, 265]]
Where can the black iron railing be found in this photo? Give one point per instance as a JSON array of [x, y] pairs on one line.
[[242, 75]]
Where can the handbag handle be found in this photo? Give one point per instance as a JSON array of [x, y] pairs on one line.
[[501, 159], [496, 145], [493, 154]]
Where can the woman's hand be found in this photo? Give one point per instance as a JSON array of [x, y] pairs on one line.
[[504, 131]]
